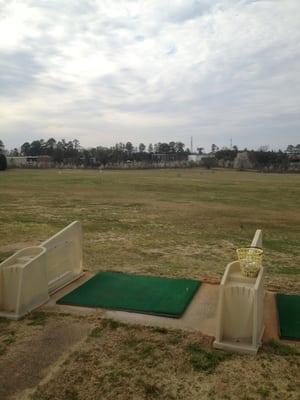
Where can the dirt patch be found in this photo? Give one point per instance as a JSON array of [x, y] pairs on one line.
[[37, 347]]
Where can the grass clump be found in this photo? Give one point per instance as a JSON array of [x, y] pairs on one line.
[[37, 318], [4, 322], [146, 350], [281, 349], [96, 332], [2, 350], [205, 360], [175, 339], [151, 391], [10, 338], [263, 392], [131, 342], [112, 324]]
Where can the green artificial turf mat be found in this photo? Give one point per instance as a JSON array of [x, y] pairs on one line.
[[288, 307], [143, 294]]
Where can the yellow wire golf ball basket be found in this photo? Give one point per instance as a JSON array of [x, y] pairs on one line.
[[250, 259]]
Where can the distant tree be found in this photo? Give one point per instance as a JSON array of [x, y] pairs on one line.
[[49, 146], [102, 155], [214, 148], [150, 148], [120, 147], [293, 149], [36, 148], [290, 149], [264, 148], [129, 147], [209, 162], [2, 147], [87, 158], [25, 149], [235, 148], [142, 147], [172, 147], [76, 144], [59, 151], [200, 150], [179, 147], [226, 154], [271, 159], [14, 152], [3, 163], [162, 148]]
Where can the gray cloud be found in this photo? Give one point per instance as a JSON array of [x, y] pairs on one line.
[[19, 73]]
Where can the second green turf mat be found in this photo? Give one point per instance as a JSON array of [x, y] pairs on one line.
[[288, 307], [143, 294]]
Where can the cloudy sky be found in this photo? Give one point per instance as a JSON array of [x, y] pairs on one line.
[[107, 71]]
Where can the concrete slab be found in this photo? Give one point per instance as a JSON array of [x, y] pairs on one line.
[[199, 316], [270, 318]]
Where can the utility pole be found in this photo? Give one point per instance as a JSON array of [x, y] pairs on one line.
[[192, 144], [230, 143]]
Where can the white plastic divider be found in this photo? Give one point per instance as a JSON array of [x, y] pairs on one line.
[[240, 308], [31, 274], [23, 282], [64, 256]]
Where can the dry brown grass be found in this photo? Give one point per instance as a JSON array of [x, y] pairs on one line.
[[172, 223], [132, 362]]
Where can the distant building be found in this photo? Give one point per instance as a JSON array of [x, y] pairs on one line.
[[197, 158], [29, 162], [168, 157], [243, 160]]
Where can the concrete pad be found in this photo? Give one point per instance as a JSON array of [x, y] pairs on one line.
[[200, 315], [270, 318]]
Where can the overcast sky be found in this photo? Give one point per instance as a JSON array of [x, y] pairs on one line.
[[107, 71]]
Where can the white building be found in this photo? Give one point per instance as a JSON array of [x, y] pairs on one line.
[[197, 157], [28, 161]]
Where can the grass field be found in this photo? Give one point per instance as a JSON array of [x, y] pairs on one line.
[[184, 223]]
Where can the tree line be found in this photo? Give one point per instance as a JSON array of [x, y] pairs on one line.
[[72, 153]]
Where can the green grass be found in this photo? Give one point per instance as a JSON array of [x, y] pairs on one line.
[[205, 360], [4, 322], [281, 349], [37, 318], [96, 332], [136, 362], [181, 223]]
